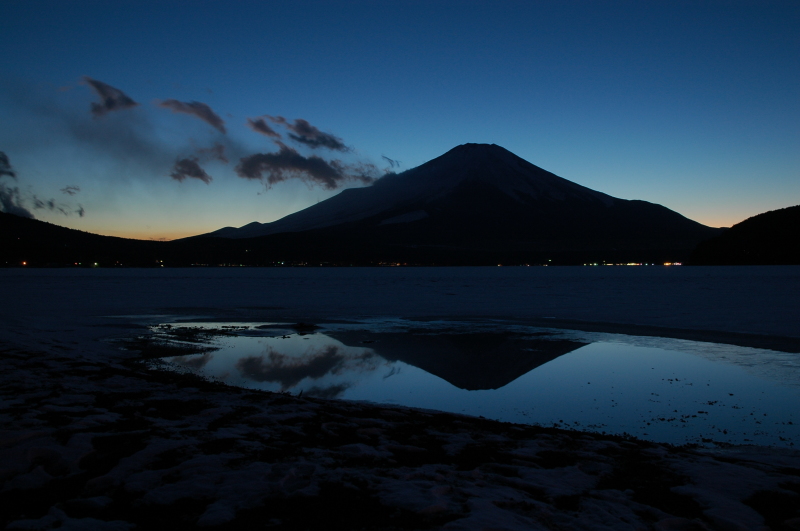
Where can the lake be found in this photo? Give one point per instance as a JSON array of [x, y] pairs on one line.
[[396, 335], [660, 389]]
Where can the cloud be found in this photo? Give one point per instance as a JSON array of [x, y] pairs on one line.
[[184, 168], [5, 166], [50, 205], [71, 190], [195, 108], [121, 145], [260, 126], [11, 202], [392, 163], [306, 134], [53, 206], [10, 198], [288, 370], [112, 99], [217, 151], [288, 163]]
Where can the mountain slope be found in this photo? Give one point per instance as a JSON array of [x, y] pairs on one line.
[[771, 238], [484, 204], [39, 243], [477, 204], [488, 164]]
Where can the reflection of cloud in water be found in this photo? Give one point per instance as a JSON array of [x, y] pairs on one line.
[[333, 391], [291, 370], [194, 362]]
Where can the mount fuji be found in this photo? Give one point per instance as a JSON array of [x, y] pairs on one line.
[[477, 203]]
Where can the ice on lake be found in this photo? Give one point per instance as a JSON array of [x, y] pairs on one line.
[[660, 389]]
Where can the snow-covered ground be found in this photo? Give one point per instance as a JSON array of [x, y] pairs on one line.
[[93, 440]]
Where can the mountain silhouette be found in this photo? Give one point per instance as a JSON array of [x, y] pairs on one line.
[[771, 238], [480, 203]]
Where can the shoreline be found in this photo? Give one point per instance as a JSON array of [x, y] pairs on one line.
[[109, 444], [761, 341]]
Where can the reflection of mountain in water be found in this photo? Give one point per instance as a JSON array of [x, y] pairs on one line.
[[327, 365], [468, 361]]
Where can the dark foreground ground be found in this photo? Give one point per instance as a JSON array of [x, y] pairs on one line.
[[113, 445]]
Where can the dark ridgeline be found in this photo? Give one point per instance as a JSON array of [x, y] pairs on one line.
[[38, 243], [771, 238], [478, 204]]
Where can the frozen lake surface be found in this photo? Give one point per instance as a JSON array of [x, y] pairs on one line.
[[94, 439], [694, 351], [659, 389]]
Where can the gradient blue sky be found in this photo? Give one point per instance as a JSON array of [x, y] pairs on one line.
[[692, 105]]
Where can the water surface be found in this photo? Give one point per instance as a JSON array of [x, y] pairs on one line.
[[654, 388]]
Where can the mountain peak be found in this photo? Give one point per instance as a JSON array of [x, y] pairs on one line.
[[495, 167], [485, 193], [478, 151], [481, 167]]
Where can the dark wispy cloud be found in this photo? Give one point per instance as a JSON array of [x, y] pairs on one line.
[[303, 132], [130, 146], [11, 202], [260, 126], [10, 197], [111, 99], [287, 163], [196, 108], [51, 205], [189, 168], [5, 166], [392, 163], [217, 151], [288, 370], [125, 144]]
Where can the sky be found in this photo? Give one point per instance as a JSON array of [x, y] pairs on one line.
[[160, 120]]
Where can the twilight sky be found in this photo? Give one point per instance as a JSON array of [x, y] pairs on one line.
[[157, 120]]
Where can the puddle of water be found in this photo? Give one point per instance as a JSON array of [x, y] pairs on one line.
[[662, 390]]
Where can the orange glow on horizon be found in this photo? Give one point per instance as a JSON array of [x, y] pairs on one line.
[[149, 235]]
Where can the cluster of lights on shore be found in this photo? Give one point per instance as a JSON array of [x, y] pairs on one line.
[[635, 264], [398, 264]]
